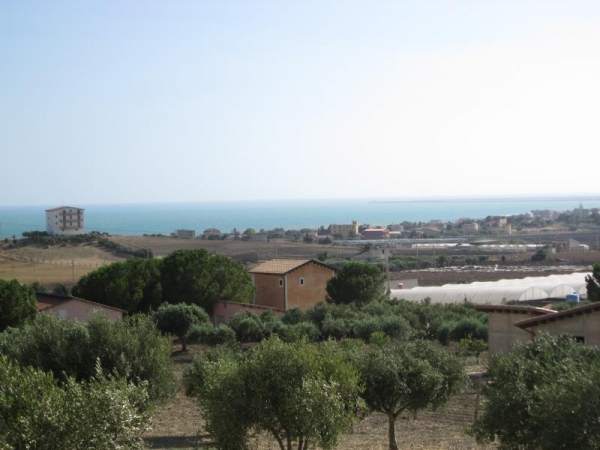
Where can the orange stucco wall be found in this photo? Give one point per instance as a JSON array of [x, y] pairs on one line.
[[267, 291], [312, 291]]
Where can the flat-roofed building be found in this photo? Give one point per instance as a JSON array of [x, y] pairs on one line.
[[64, 221]]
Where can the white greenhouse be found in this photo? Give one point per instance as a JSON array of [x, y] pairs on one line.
[[497, 292]]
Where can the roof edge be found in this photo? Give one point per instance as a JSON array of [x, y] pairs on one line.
[[561, 315]]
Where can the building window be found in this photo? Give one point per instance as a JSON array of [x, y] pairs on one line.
[[301, 281], [580, 339], [281, 282]]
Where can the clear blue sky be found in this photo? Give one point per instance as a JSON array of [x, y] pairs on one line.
[[164, 101]]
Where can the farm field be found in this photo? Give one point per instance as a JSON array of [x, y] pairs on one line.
[[179, 425], [52, 265], [162, 246], [65, 263]]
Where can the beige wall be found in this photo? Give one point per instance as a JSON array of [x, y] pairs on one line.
[[78, 310], [502, 333], [586, 326], [312, 291], [267, 291]]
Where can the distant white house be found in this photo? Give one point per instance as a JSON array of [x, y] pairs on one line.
[[64, 221], [373, 253]]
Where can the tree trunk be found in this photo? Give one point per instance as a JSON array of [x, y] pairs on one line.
[[183, 346], [392, 432]]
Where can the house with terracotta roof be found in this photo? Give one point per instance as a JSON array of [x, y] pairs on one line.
[[279, 285], [290, 283], [74, 308], [508, 324]]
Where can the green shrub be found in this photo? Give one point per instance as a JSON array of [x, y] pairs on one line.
[[366, 327], [37, 413], [336, 329], [299, 331], [209, 335], [293, 316], [466, 327], [395, 327], [379, 339], [133, 349], [247, 327]]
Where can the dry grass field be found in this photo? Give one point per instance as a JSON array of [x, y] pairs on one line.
[[179, 425], [162, 246], [52, 265], [64, 263]]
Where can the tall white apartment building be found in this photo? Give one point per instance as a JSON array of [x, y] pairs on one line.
[[64, 221]]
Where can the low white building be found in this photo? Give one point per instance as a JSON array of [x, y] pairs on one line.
[[64, 221]]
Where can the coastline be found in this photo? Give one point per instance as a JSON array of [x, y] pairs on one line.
[[161, 218]]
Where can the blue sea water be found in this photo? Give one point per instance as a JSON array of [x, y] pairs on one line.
[[138, 219]]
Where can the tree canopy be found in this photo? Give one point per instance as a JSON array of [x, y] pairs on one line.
[[356, 282], [300, 393], [17, 304], [178, 319], [593, 284], [133, 349], [408, 376], [132, 285], [201, 278], [38, 413], [543, 395], [185, 276]]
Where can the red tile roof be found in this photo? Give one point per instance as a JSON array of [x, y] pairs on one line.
[[283, 266]]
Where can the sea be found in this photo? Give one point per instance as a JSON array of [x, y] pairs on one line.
[[164, 218]]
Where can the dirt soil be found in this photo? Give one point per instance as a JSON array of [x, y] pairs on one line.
[[162, 246]]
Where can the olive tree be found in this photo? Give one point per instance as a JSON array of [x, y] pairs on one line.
[[299, 393], [17, 304], [38, 413], [179, 319], [133, 349], [543, 395], [407, 377]]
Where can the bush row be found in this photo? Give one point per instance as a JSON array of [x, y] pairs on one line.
[[394, 319]]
